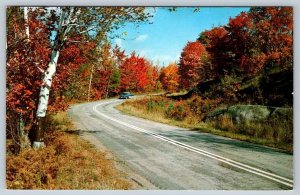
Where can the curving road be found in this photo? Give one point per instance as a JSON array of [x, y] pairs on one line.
[[171, 157]]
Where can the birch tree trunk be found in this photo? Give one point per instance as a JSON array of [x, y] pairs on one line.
[[26, 22], [38, 139], [38, 134], [22, 135], [82, 20], [90, 83]]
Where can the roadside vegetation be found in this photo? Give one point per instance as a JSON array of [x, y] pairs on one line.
[[68, 162], [275, 131]]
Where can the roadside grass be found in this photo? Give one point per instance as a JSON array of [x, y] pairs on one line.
[[183, 92], [68, 162], [180, 113]]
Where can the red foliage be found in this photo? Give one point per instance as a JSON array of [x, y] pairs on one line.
[[153, 77], [217, 47], [134, 73], [273, 27], [25, 61], [190, 63]]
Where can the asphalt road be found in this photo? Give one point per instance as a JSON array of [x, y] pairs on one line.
[[171, 157]]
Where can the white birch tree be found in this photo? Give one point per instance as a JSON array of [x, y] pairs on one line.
[[94, 22]]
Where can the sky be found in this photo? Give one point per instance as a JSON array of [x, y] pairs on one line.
[[163, 40]]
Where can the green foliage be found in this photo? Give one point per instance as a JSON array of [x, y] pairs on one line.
[[178, 110]]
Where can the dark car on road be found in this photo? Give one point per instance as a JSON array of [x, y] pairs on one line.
[[125, 95]]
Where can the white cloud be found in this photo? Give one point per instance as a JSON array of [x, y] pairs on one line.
[[141, 38]]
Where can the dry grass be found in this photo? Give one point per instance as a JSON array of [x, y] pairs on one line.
[[273, 132], [224, 127], [68, 162]]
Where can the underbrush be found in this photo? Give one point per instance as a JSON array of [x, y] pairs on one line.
[[178, 110], [277, 131], [191, 113], [67, 162]]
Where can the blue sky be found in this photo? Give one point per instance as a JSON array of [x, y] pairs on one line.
[[164, 40]]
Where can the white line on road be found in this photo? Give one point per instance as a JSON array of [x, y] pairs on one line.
[[271, 176]]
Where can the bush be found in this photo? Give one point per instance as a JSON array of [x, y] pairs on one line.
[[201, 107], [178, 110], [278, 127], [155, 104]]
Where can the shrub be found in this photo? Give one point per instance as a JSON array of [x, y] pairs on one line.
[[178, 110], [201, 107], [276, 128]]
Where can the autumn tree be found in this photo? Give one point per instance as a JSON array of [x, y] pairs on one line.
[[134, 73], [61, 24], [254, 45], [27, 55], [273, 37], [75, 55], [169, 77], [107, 76], [272, 34], [190, 64], [153, 79], [215, 42]]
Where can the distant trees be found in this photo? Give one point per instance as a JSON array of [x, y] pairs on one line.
[[138, 74], [169, 77]]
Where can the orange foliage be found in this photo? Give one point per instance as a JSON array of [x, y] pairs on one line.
[[169, 77]]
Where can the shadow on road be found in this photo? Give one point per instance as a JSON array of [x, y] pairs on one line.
[[79, 132], [218, 142]]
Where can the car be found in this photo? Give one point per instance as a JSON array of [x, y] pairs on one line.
[[125, 95]]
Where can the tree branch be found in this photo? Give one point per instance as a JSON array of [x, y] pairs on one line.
[[89, 29]]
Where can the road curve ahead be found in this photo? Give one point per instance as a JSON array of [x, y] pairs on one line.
[[171, 157]]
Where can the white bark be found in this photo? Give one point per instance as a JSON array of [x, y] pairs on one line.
[[26, 22], [38, 145], [47, 81], [49, 73], [65, 19]]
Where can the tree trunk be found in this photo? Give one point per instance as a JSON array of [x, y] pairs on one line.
[[62, 30], [90, 83], [107, 88], [22, 135], [38, 136], [26, 22]]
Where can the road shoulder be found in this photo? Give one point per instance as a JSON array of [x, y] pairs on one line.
[[137, 181]]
